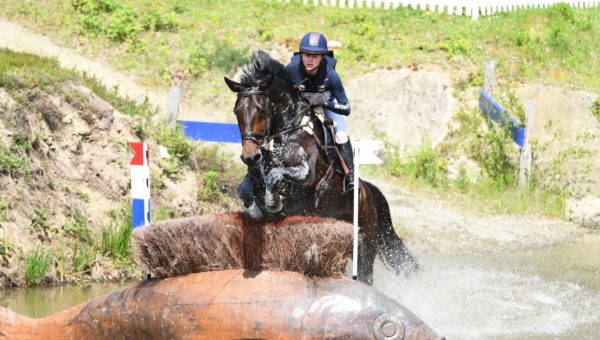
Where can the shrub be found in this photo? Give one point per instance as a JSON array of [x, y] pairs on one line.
[[427, 165], [209, 53]]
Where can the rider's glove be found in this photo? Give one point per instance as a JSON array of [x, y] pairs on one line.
[[320, 99]]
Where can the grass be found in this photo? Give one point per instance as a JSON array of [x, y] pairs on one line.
[[13, 161], [116, 237], [83, 257], [206, 39], [36, 266]]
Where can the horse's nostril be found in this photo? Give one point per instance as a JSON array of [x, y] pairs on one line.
[[256, 157]]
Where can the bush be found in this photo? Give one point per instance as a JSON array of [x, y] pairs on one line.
[[209, 53], [120, 22], [427, 165]]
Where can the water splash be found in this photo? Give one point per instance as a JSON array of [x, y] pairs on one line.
[[477, 298]]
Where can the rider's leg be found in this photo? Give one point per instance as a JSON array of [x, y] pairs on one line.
[[343, 144], [248, 185]]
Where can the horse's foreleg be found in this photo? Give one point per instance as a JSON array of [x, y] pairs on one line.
[[274, 178]]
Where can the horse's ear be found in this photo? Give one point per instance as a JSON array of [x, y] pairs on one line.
[[233, 86], [266, 83]]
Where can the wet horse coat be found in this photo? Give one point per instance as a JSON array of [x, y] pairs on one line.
[[283, 148]]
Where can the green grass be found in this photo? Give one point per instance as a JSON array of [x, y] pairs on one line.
[[206, 39], [116, 237], [36, 266], [13, 160], [84, 256]]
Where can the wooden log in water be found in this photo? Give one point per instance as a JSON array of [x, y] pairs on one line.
[[229, 304]]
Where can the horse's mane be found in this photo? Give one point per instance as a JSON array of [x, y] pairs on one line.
[[262, 65]]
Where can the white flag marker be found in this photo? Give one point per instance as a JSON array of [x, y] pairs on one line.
[[365, 152]]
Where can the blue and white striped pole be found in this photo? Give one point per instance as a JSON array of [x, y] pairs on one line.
[[140, 185]]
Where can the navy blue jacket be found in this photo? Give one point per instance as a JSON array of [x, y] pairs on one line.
[[326, 79]]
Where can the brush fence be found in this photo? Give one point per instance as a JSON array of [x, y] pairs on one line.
[[471, 8]]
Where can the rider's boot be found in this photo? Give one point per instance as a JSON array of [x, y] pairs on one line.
[[346, 152], [246, 188]]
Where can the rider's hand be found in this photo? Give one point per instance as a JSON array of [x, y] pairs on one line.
[[320, 99]]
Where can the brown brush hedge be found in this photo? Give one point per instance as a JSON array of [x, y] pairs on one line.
[[310, 245]]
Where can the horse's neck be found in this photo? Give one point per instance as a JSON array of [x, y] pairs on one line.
[[285, 109]]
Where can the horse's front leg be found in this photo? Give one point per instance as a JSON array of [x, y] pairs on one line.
[[274, 184]]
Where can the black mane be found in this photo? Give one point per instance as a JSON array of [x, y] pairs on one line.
[[261, 66]]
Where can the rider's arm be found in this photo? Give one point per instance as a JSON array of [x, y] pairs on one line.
[[340, 105]]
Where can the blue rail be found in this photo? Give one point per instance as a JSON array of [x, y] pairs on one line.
[[211, 131], [497, 113]]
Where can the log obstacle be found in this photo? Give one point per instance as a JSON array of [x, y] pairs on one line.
[[227, 276], [229, 304]]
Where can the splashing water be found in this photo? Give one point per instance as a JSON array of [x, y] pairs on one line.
[[552, 292]]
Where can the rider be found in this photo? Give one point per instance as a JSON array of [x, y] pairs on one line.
[[315, 71]]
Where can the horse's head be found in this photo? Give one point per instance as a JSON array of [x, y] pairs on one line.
[[253, 111]]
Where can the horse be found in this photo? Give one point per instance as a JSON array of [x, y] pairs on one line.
[[284, 147]]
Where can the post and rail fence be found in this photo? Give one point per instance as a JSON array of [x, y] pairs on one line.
[[470, 8]]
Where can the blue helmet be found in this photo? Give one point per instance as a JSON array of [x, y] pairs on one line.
[[313, 42]]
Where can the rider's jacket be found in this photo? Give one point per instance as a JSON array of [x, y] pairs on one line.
[[326, 79]]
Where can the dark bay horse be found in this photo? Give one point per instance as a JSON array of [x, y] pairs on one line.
[[283, 144]]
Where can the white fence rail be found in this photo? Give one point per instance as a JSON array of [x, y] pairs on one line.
[[472, 8]]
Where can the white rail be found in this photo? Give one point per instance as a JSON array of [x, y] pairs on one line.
[[471, 8]]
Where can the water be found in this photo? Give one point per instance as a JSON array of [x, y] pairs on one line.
[[547, 293], [552, 292], [43, 301]]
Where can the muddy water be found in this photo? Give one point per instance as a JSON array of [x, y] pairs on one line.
[[44, 301], [546, 293]]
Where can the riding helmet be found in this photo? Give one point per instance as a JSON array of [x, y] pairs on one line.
[[313, 42]]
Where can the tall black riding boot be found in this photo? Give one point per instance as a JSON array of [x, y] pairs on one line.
[[247, 187], [348, 155]]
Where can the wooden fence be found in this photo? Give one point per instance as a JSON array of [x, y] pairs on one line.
[[471, 8]]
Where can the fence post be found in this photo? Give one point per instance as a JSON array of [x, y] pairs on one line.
[[140, 184], [526, 154], [489, 78], [173, 105]]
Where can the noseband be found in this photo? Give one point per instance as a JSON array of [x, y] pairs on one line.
[[253, 135]]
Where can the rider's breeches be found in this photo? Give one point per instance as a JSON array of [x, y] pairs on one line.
[[339, 126]]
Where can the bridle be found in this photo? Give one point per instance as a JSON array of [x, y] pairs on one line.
[[265, 136], [253, 135]]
